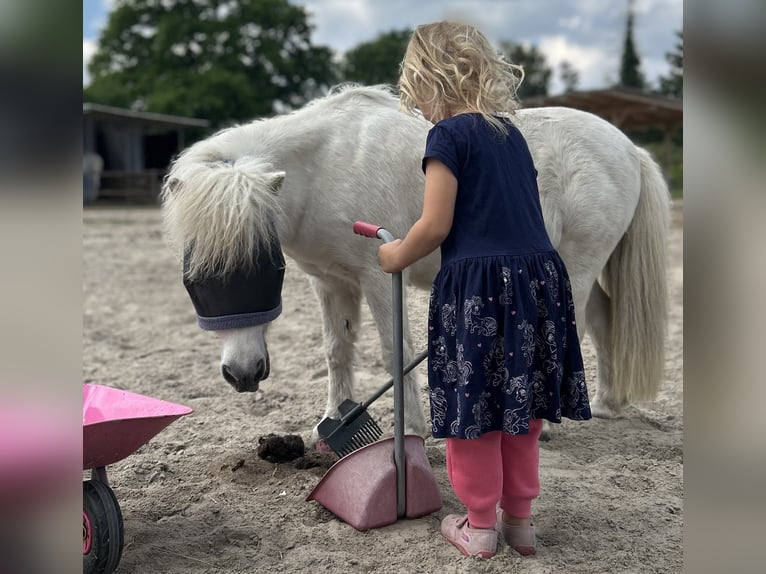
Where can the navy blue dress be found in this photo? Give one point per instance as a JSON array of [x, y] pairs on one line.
[[503, 345]]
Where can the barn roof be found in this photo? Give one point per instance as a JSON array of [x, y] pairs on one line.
[[626, 108], [98, 111]]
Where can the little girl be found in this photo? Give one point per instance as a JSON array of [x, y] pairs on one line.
[[503, 346]]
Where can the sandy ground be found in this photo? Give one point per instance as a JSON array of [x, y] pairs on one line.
[[197, 499]]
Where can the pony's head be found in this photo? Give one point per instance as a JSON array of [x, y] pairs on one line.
[[221, 216]]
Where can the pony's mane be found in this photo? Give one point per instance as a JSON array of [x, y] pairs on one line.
[[344, 93], [220, 214]]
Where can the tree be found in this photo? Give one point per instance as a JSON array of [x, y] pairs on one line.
[[537, 73], [220, 60], [376, 62], [569, 76], [630, 68], [673, 84]]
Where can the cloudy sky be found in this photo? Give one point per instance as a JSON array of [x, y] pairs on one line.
[[587, 33]]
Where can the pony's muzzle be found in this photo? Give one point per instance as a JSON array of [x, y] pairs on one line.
[[244, 382]]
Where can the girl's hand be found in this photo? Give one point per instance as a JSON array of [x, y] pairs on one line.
[[388, 256]]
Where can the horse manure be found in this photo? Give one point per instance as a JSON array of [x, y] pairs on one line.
[[276, 448]]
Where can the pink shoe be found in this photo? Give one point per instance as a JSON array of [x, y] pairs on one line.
[[470, 541], [521, 538]]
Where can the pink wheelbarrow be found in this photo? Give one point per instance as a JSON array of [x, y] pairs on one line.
[[115, 424]]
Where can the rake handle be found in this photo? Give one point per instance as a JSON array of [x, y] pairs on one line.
[[415, 362]]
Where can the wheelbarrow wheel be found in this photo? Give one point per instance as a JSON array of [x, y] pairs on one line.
[[102, 529]]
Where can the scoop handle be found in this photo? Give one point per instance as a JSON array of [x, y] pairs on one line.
[[366, 229], [372, 230]]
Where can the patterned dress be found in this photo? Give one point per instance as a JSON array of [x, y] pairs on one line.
[[503, 345]]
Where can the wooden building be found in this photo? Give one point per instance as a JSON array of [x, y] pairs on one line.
[[135, 149]]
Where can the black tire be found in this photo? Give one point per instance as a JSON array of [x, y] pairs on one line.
[[102, 523]]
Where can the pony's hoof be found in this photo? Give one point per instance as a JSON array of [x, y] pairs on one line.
[[317, 443], [416, 425], [315, 439], [322, 446], [547, 433], [418, 432], [600, 410]]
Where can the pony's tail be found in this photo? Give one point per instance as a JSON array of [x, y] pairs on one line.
[[222, 212], [635, 277]]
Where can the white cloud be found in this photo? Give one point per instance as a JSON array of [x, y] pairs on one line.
[[593, 65], [341, 23], [653, 69], [88, 49]]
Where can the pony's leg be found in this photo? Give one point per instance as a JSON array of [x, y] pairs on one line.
[[547, 433], [340, 304], [377, 290], [599, 320]]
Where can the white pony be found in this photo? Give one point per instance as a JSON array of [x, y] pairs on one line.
[[353, 155]]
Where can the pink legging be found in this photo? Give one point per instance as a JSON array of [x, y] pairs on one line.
[[495, 467]]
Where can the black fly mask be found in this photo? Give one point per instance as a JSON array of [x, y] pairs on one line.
[[241, 298]]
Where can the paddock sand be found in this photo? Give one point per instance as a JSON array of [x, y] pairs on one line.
[[197, 499]]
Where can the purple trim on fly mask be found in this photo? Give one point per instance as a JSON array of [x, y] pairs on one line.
[[239, 321]]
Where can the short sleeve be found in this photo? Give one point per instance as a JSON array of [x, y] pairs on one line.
[[441, 145]]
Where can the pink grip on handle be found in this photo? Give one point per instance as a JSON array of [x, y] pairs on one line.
[[366, 229]]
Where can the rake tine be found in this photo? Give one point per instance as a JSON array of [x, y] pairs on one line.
[[372, 436], [365, 437], [361, 439]]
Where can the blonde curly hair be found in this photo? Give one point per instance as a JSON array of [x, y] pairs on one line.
[[452, 68]]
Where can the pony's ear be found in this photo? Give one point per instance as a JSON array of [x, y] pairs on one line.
[[275, 180], [172, 184]]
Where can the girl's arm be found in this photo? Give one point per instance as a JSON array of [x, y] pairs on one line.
[[434, 224]]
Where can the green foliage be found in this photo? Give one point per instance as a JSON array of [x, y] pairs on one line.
[[222, 60], [630, 68], [669, 155], [376, 62], [537, 73], [676, 180], [673, 83], [673, 156]]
